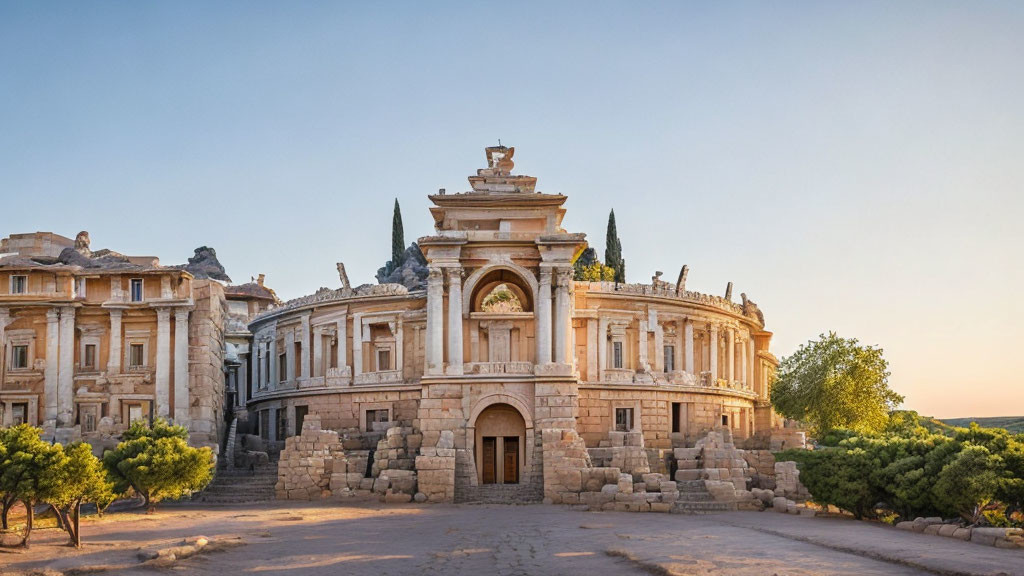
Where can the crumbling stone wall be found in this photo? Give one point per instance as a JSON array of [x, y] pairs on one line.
[[206, 364], [435, 467], [308, 463], [622, 450]]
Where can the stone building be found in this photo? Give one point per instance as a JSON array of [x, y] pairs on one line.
[[499, 369], [93, 340]]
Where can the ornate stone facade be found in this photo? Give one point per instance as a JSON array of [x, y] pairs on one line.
[[510, 399]]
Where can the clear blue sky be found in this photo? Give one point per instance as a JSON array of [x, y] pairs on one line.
[[850, 166]]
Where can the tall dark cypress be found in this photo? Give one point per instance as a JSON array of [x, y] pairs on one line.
[[613, 250], [397, 238]]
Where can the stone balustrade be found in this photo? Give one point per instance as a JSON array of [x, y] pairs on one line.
[[384, 377], [499, 368]]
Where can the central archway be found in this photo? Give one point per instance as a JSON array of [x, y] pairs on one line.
[[500, 445]]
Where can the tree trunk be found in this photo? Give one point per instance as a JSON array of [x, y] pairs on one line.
[[149, 504], [76, 521], [3, 513], [58, 516], [29, 517]]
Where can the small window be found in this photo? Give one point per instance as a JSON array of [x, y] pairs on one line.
[[19, 413], [282, 367], [19, 357], [677, 417], [725, 420], [79, 287], [136, 284], [87, 417], [19, 284], [90, 357], [383, 360], [623, 419], [616, 354], [373, 416], [300, 417], [670, 358], [136, 356]]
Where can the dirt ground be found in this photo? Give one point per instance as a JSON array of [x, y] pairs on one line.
[[367, 538]]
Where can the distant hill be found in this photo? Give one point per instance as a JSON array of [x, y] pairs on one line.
[[1014, 424]]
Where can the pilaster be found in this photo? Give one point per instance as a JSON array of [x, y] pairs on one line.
[[455, 363], [302, 372], [51, 371], [543, 315], [163, 363], [713, 352], [688, 345], [435, 322], [182, 401], [114, 343], [66, 370]]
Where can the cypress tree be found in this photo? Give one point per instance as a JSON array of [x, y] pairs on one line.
[[397, 238], [613, 250]]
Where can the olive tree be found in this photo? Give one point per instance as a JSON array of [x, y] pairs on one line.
[[26, 472], [78, 479], [157, 463], [835, 382]]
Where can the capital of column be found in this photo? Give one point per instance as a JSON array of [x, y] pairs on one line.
[[435, 275], [454, 275], [163, 314], [545, 276], [564, 277], [181, 314]]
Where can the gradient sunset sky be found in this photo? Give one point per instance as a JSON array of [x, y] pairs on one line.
[[855, 167]]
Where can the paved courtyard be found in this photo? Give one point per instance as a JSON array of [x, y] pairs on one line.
[[506, 540]]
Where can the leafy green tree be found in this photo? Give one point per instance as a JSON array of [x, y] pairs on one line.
[[839, 477], [79, 478], [613, 250], [397, 238], [968, 482], [157, 463], [835, 383], [25, 471]]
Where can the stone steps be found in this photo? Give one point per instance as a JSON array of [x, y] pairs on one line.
[[239, 485], [500, 494], [684, 507]]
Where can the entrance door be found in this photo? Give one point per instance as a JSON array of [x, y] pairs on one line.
[[490, 460], [511, 460]]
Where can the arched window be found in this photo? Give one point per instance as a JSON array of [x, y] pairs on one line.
[[501, 300]]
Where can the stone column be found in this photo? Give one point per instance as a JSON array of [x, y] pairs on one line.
[[163, 363], [680, 345], [435, 322], [255, 355], [400, 347], [688, 346], [357, 344], [543, 318], [66, 370], [272, 378], [455, 320], [743, 363], [318, 352], [5, 319], [289, 354], [343, 342], [713, 351], [182, 402], [659, 346], [641, 338], [50, 373], [592, 350], [602, 347], [562, 319], [114, 343], [730, 351], [302, 373]]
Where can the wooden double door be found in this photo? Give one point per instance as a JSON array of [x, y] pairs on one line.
[[500, 458]]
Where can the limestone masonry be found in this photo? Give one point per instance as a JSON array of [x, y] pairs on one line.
[[484, 373]]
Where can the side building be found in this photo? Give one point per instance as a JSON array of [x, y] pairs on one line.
[[489, 347], [94, 340]]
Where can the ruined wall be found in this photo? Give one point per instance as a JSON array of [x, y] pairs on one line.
[[206, 364]]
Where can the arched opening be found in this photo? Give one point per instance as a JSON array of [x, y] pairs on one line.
[[501, 300], [502, 283], [500, 446]]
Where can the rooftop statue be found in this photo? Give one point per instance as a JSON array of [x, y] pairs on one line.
[[499, 158]]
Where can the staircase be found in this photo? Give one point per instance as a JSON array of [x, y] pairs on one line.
[[239, 486], [229, 445], [694, 498], [501, 494]]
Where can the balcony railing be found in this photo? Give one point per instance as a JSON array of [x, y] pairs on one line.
[[499, 368], [386, 377]]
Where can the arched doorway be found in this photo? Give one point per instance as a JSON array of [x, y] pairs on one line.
[[500, 445]]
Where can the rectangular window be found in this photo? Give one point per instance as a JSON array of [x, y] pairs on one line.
[[383, 360], [90, 357], [623, 419], [373, 416], [87, 417], [616, 354], [282, 367], [134, 413], [19, 413], [19, 284], [677, 417], [725, 420], [136, 285], [79, 287], [670, 358], [136, 355], [300, 417], [19, 357]]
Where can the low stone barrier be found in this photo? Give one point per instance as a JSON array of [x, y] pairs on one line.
[[998, 537]]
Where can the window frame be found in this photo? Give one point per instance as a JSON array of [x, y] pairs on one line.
[[132, 346], [617, 355], [628, 421], [23, 284], [26, 365], [142, 289], [669, 353]]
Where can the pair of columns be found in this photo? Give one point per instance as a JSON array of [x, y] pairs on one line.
[[163, 363], [547, 329]]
